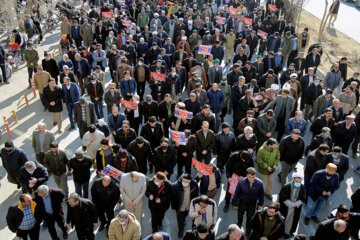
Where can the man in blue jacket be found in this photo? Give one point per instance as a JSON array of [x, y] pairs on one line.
[[128, 86], [216, 101], [249, 193], [173, 85], [184, 190], [218, 51], [75, 34], [323, 184], [82, 71], [71, 95]]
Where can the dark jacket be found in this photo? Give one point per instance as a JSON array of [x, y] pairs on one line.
[[56, 163], [56, 197], [224, 144], [153, 138], [14, 161], [77, 112], [204, 144], [130, 166], [163, 111], [113, 126], [165, 161], [317, 141], [243, 106], [342, 166], [104, 197], [74, 93], [290, 151], [149, 110], [85, 67], [319, 123], [309, 61], [15, 215], [56, 96], [314, 162], [285, 194], [199, 118], [318, 182], [40, 174], [124, 139], [343, 136], [249, 73], [81, 169], [193, 107], [91, 91], [243, 144], [238, 166], [326, 231], [225, 236], [165, 235], [258, 222], [247, 195], [88, 213], [142, 155], [164, 195], [177, 193], [155, 93], [216, 100], [193, 235], [233, 77], [205, 180]]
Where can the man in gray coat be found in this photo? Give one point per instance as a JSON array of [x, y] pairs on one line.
[[112, 97], [283, 105], [332, 79], [41, 140], [215, 74], [201, 94], [266, 124], [84, 115], [132, 189]]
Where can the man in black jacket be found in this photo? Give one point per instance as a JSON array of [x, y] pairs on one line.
[[224, 145], [158, 190], [166, 113], [150, 108], [200, 232], [13, 158], [140, 148], [83, 215], [233, 232], [291, 151], [204, 115], [332, 229], [50, 201], [233, 75], [165, 158], [325, 120], [20, 225], [185, 153], [32, 175], [105, 194], [260, 229], [323, 138], [355, 144]]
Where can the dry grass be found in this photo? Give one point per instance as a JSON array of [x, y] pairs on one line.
[[335, 44]]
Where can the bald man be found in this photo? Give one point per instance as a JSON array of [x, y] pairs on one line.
[[158, 236]]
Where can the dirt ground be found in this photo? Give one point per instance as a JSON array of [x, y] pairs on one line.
[[335, 44]]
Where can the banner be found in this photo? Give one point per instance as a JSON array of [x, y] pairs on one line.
[[158, 76], [233, 183], [201, 167], [183, 113], [126, 23], [262, 34], [178, 137], [232, 10], [98, 10], [106, 14], [271, 7], [220, 20], [247, 21], [205, 49], [112, 172], [128, 104]]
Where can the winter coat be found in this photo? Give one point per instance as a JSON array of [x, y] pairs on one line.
[[266, 158], [164, 195], [332, 79], [291, 152], [216, 100], [81, 169], [40, 174], [325, 230], [205, 180], [104, 197], [165, 161], [56, 163], [258, 222], [321, 122], [54, 95], [132, 229], [130, 166], [319, 105], [348, 103], [314, 162], [14, 161], [177, 193], [88, 213], [318, 182]]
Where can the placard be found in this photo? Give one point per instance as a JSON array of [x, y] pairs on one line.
[[232, 10], [128, 104], [126, 23], [183, 113], [205, 49], [106, 14], [271, 7], [158, 76], [247, 21], [112, 172], [178, 137], [220, 20], [233, 183], [201, 167], [262, 34]]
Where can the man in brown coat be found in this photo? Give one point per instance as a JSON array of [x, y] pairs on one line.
[[120, 71], [41, 80]]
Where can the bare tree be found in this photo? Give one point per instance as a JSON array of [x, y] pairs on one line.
[[325, 18], [292, 10]]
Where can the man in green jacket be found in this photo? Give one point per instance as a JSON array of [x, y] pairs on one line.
[[142, 19], [86, 33], [287, 46], [31, 57], [205, 142], [267, 158], [323, 102], [227, 92]]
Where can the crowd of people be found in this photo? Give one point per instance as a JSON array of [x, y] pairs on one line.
[[260, 71]]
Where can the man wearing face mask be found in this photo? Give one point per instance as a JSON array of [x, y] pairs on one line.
[[13, 158], [291, 151], [291, 197], [344, 133], [184, 190], [31, 176], [340, 160], [296, 122], [124, 227], [323, 184], [165, 158], [173, 85], [83, 215], [158, 190]]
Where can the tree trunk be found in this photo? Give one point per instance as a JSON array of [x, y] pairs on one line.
[[325, 19]]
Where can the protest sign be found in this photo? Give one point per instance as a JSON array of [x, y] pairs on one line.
[[271, 7], [232, 10], [178, 137], [112, 172], [158, 76], [233, 183], [201, 167], [262, 34], [183, 113], [205, 49], [126, 23], [220, 20], [128, 104], [247, 21], [106, 14]]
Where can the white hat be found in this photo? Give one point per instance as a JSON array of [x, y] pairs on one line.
[[142, 39], [183, 38], [155, 32], [297, 175], [274, 87], [101, 121], [286, 86], [156, 14], [293, 75], [181, 19]]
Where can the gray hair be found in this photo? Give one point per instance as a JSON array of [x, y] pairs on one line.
[[339, 224], [106, 178], [248, 129], [241, 78], [30, 164], [43, 190], [134, 174], [42, 124], [74, 196], [123, 214], [65, 67], [234, 227]]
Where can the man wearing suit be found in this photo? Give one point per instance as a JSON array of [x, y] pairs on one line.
[[30, 27], [181, 71], [299, 62], [71, 95], [284, 106], [215, 73], [49, 202], [41, 140], [180, 55], [305, 82], [133, 188], [99, 56], [201, 94], [75, 34], [82, 71], [86, 33], [84, 115], [101, 34], [312, 60], [67, 73], [205, 142]]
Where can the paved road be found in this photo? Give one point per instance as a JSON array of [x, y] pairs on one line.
[[348, 17], [28, 118]]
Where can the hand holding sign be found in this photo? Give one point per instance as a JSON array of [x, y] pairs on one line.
[[201, 167], [128, 104], [205, 49]]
